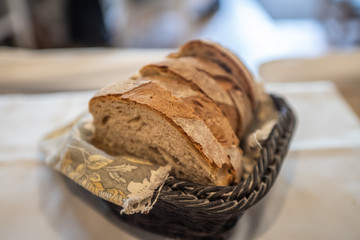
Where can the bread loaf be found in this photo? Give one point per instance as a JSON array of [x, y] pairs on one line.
[[186, 111]]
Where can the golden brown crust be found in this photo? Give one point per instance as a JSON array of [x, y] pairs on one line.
[[230, 85], [182, 71], [195, 68], [202, 106], [224, 58]]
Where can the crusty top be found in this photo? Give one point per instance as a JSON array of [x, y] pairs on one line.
[[185, 71], [202, 106], [188, 72], [225, 58]]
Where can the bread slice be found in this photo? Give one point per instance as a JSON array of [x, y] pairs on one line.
[[139, 117], [224, 58]]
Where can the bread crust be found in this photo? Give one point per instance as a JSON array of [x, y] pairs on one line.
[[205, 73], [230, 85], [224, 58], [201, 81], [202, 106]]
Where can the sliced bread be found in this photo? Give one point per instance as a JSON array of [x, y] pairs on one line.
[[139, 117], [211, 80]]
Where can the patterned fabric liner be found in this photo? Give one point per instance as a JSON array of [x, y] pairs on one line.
[[123, 180]]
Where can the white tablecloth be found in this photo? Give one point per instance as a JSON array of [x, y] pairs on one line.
[[316, 196]]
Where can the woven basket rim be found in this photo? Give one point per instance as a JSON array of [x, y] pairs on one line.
[[286, 120]]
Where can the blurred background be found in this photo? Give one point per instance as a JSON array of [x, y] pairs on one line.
[[255, 28], [261, 32], [55, 54]]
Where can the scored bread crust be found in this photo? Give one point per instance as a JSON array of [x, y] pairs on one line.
[[214, 159], [174, 68], [181, 71], [205, 73], [229, 83], [202, 106], [224, 58]]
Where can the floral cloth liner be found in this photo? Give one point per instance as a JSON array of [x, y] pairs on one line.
[[123, 180]]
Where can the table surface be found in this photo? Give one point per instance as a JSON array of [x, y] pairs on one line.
[[339, 67], [316, 196]]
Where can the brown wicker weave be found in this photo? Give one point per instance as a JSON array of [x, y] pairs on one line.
[[190, 211]]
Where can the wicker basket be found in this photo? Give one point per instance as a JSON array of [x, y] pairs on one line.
[[190, 211]]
